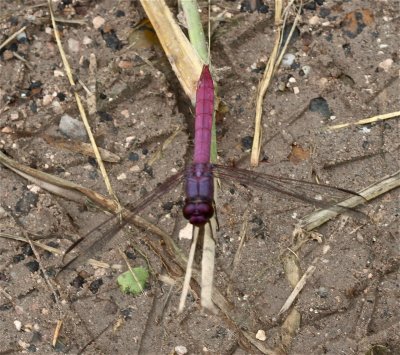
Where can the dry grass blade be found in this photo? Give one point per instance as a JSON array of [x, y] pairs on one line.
[[272, 65], [368, 120], [184, 60], [79, 103], [36, 243], [319, 217]]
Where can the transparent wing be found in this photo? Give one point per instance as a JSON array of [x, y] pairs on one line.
[[94, 241], [323, 196]]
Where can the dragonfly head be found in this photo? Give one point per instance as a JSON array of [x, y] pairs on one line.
[[198, 213]]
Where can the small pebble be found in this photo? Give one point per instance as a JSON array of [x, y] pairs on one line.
[[57, 108], [32, 348], [310, 6], [95, 285], [112, 40], [14, 116], [125, 113], [18, 325], [27, 250], [98, 21], [149, 170], [28, 328], [127, 313], [26, 203], [58, 73], [73, 45], [7, 55], [323, 292], [78, 282], [359, 237], [306, 70], [320, 105], [180, 350], [247, 142], [288, 60], [32, 266], [125, 64], [261, 335], [168, 206], [134, 169], [130, 254], [313, 21], [121, 176], [296, 90], [133, 156], [22, 37], [104, 116], [86, 40], [117, 267], [23, 344], [45, 311], [61, 96], [386, 64], [72, 127], [47, 99], [6, 129]]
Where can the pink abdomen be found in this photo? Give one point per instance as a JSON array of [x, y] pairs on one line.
[[204, 115]]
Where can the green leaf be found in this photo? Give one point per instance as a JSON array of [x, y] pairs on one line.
[[133, 282]]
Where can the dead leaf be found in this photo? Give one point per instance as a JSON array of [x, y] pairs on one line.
[[298, 154]]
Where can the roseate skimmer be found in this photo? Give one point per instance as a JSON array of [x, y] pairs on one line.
[[199, 202]]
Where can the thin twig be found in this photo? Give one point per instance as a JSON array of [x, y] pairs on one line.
[[22, 59], [38, 244], [297, 289], [368, 120], [80, 106], [9, 39], [57, 332], [272, 65], [188, 274]]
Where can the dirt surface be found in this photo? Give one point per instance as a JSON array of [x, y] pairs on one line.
[[345, 68]]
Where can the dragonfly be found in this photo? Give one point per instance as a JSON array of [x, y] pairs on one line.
[[199, 206]]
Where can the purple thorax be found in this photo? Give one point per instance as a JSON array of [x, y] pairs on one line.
[[199, 179]]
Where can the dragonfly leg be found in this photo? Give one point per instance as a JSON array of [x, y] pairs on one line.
[[216, 216]]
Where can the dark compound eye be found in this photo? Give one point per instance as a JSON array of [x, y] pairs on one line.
[[198, 214]]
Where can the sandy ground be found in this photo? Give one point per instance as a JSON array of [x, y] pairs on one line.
[[344, 67]]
